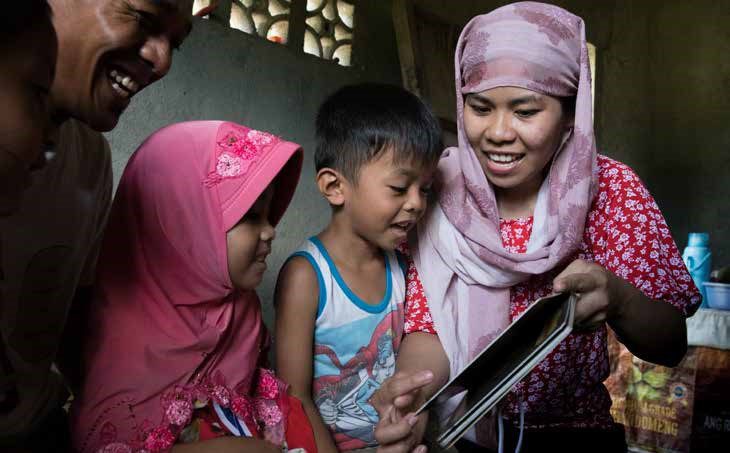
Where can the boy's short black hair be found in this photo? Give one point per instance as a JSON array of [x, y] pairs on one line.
[[20, 15], [358, 122]]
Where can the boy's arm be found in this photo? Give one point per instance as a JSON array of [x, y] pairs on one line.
[[422, 368], [296, 300], [228, 444]]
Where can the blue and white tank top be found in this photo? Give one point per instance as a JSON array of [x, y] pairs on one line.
[[355, 344]]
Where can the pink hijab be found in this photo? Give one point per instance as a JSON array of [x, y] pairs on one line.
[[465, 270], [166, 315]]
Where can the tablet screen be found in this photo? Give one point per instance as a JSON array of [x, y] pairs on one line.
[[510, 357]]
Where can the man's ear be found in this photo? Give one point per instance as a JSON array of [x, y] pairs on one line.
[[331, 184]]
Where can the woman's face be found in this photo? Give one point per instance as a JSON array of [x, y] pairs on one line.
[[514, 133]]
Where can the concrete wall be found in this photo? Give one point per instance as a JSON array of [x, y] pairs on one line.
[[663, 90], [662, 100], [222, 73], [689, 82]]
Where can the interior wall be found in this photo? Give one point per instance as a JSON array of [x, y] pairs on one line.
[[662, 100], [689, 81], [663, 86], [222, 73]]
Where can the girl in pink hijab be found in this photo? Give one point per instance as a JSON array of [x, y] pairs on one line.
[[527, 207], [176, 338]]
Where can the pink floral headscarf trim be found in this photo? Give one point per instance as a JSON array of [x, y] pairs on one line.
[[262, 409], [542, 48], [239, 150]]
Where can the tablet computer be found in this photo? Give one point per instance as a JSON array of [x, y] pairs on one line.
[[502, 364]]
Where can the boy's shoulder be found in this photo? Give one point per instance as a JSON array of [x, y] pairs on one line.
[[297, 286], [300, 267]]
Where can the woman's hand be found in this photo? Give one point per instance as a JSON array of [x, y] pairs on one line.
[[399, 430], [653, 330], [598, 289]]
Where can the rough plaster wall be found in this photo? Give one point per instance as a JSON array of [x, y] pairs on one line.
[[690, 156], [221, 73], [663, 93], [663, 100]]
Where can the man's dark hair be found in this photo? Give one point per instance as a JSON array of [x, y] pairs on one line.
[[358, 122], [19, 15]]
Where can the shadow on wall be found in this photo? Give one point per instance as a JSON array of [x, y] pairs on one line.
[[223, 73]]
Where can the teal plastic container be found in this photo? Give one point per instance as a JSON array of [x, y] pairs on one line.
[[698, 259]]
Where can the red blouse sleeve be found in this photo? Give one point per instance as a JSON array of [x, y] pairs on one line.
[[631, 239], [417, 313]]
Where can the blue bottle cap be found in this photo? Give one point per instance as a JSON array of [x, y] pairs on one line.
[[698, 240]]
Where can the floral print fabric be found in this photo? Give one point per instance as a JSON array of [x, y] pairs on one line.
[[625, 233]]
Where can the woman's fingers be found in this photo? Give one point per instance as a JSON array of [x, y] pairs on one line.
[[587, 307], [580, 276], [582, 282], [592, 323]]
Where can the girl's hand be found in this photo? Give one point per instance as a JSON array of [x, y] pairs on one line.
[[398, 395], [598, 292]]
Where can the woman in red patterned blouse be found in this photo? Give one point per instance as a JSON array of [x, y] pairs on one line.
[[527, 207]]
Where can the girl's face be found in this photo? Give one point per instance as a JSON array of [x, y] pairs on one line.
[[514, 133], [249, 243], [26, 74]]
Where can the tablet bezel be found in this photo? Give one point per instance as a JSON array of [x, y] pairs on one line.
[[565, 309]]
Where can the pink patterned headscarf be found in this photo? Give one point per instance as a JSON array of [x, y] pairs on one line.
[[465, 270], [167, 325]]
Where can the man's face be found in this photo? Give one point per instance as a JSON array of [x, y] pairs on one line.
[[26, 76], [109, 50]]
